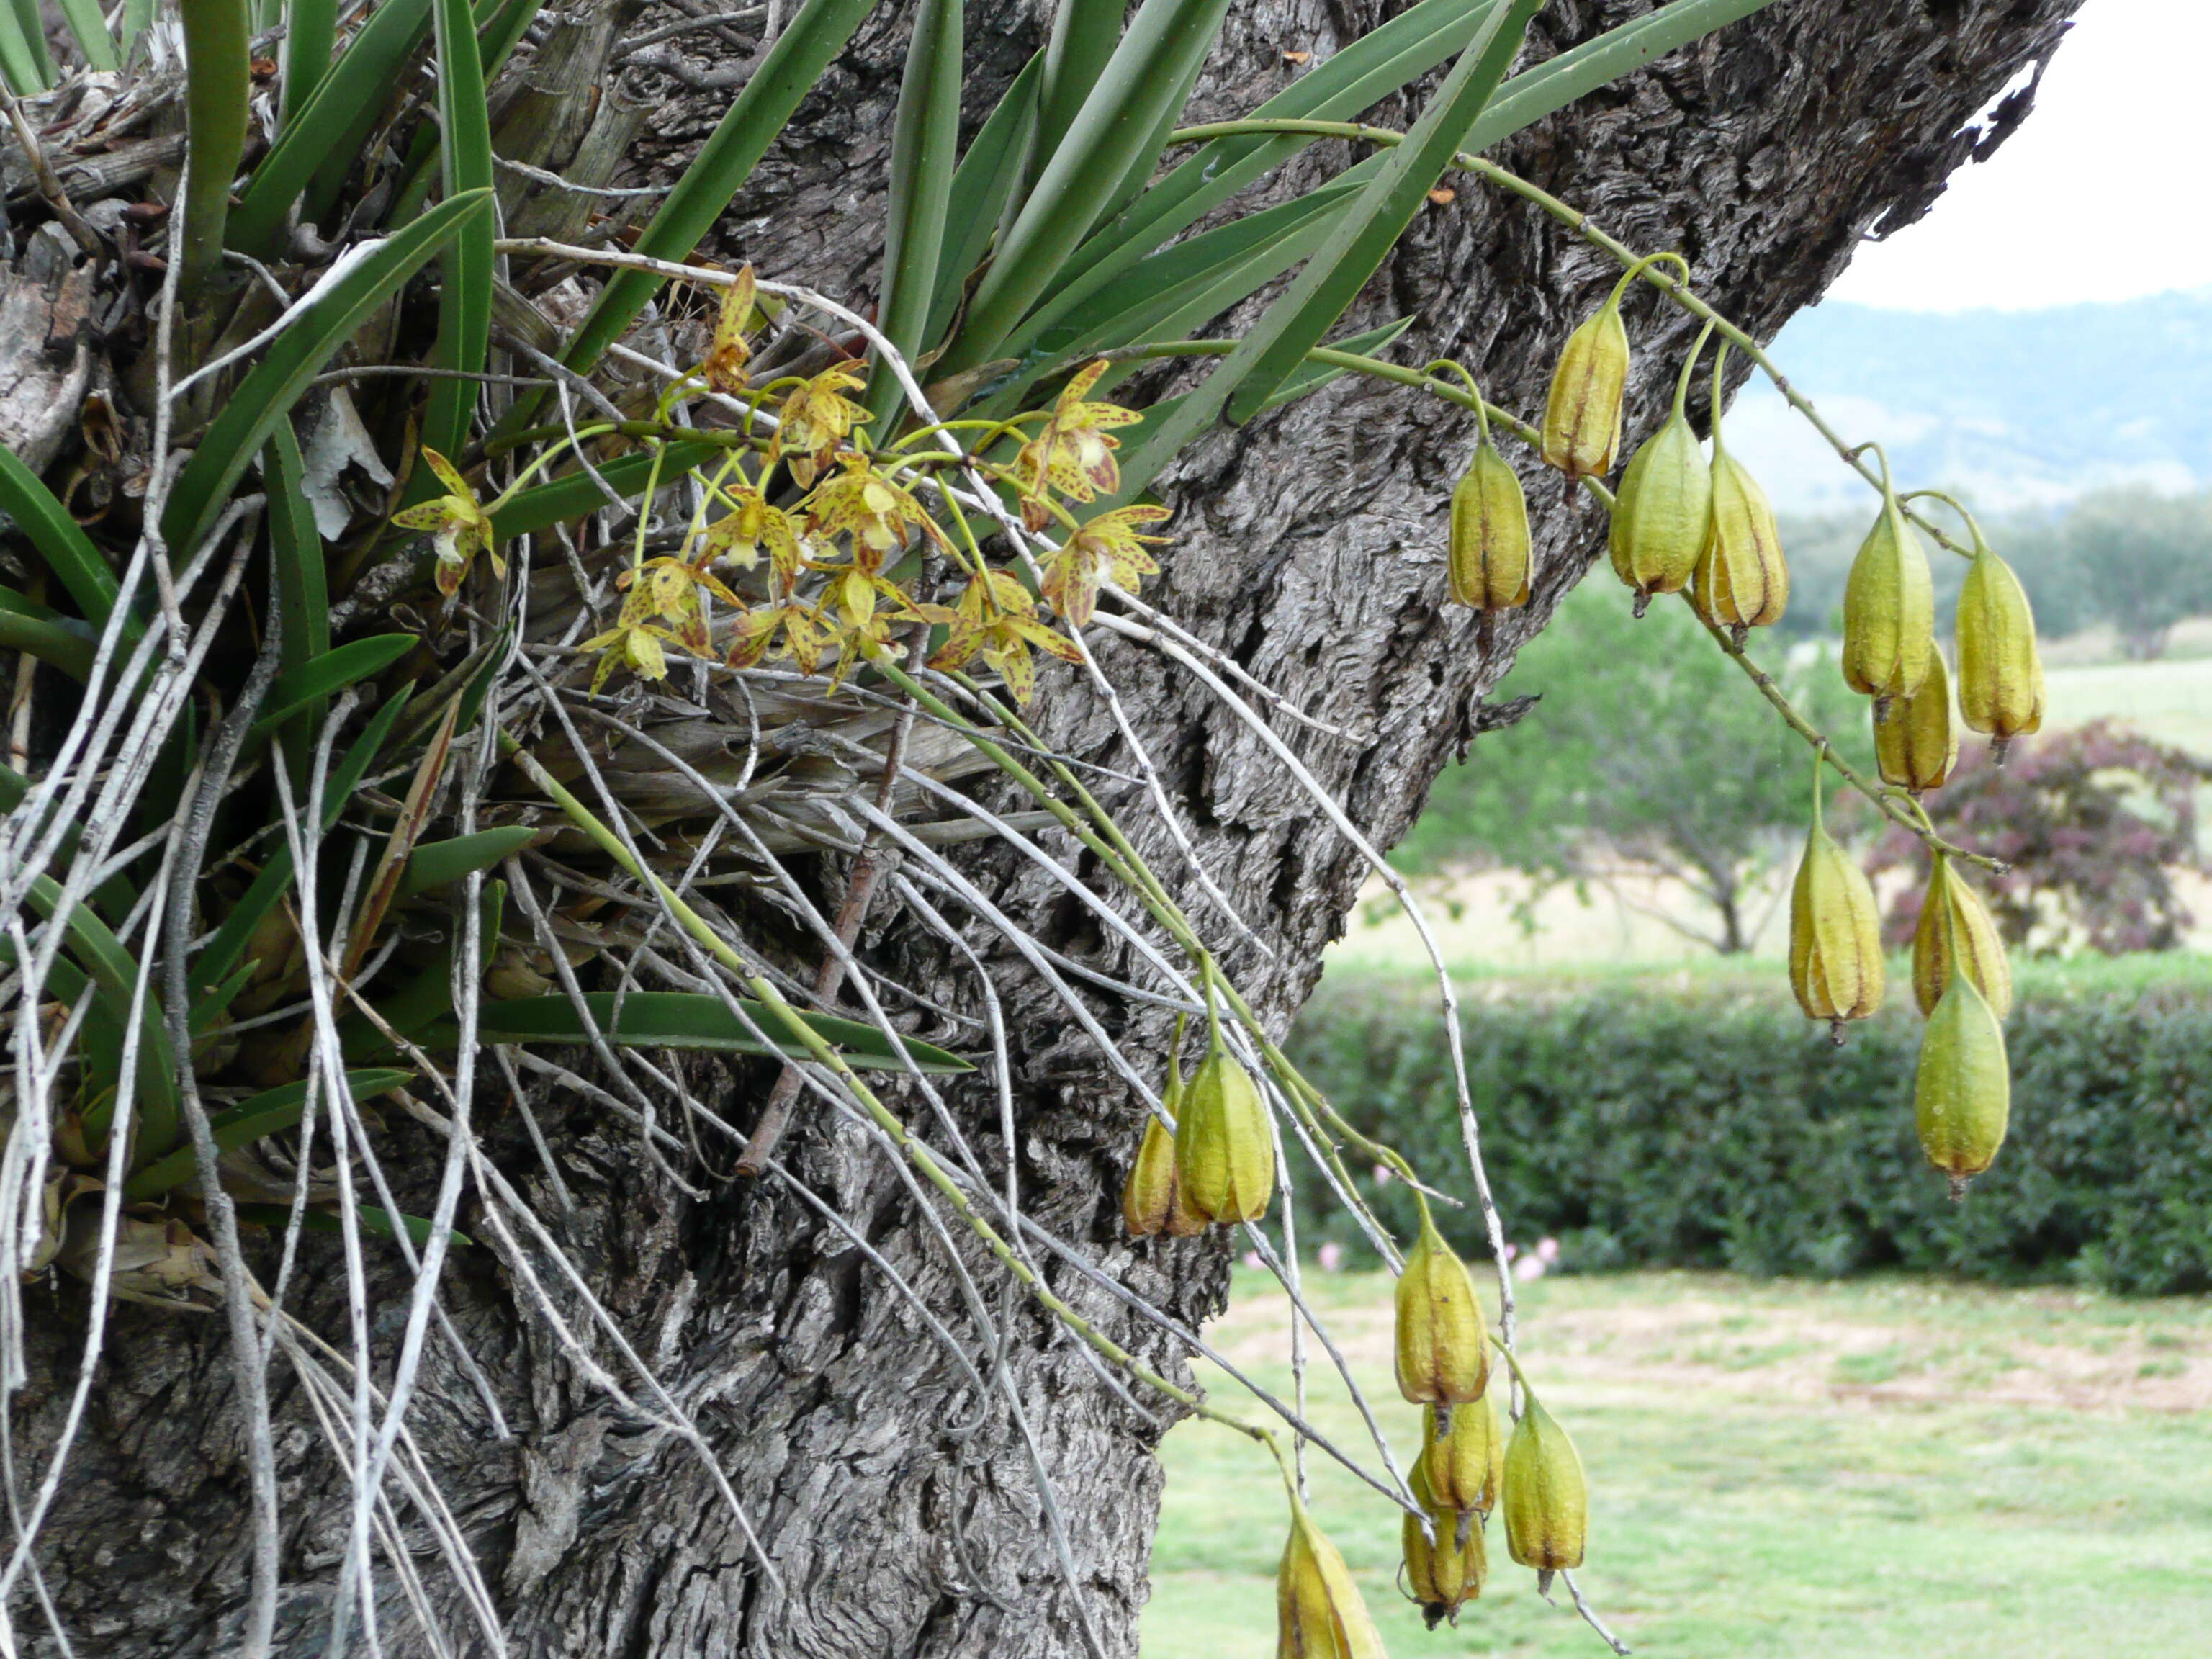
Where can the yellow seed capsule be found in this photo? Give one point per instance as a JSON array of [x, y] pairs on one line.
[[1443, 1576], [1581, 415], [1489, 534], [1953, 913], [1660, 517], [2000, 672], [1224, 1157], [1319, 1613], [1665, 501], [1835, 935], [1962, 1093], [1464, 1459], [1889, 607], [1443, 1349], [1740, 581], [1915, 738], [1152, 1199], [1547, 1501]]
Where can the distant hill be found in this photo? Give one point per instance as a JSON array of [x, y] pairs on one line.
[[2011, 408]]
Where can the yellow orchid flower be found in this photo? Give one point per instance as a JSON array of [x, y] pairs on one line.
[[668, 590], [802, 627], [1108, 545], [996, 616], [815, 419], [875, 511], [634, 640], [729, 354], [1072, 454], [459, 527], [751, 524]]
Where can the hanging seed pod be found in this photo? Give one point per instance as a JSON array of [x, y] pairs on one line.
[[2000, 671], [1152, 1199], [1741, 582], [1463, 1455], [1889, 605], [1954, 911], [1319, 1613], [1224, 1157], [1547, 1501], [1835, 931], [1581, 415], [1962, 1092], [1665, 506], [1915, 738], [1445, 1575], [1489, 533], [1443, 1347]]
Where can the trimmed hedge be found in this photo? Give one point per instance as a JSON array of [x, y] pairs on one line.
[[1716, 1126]]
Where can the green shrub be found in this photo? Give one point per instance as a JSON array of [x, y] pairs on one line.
[[1709, 1125]]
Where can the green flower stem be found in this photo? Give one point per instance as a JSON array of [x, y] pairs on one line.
[[825, 1054], [668, 429], [1580, 224], [652, 489], [1321, 1119], [1973, 524], [1422, 381], [217, 84], [1689, 365], [1481, 409], [1884, 799], [1114, 849]]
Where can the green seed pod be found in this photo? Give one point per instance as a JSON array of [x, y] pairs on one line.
[[1661, 516], [1835, 931], [1319, 1613], [1443, 1347], [1665, 503], [1463, 1455], [2000, 671], [1489, 534], [1741, 582], [1224, 1157], [1953, 912], [1962, 1093], [1581, 415], [1443, 1576], [1547, 1500], [1915, 738], [1152, 1199], [1889, 606]]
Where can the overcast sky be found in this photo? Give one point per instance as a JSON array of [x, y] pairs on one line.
[[2098, 196]]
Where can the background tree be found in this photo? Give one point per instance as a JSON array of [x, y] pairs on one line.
[[2094, 823], [905, 1506], [1642, 756], [2144, 561]]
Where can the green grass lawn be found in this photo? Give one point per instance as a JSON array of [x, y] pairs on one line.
[[2169, 701], [1870, 1470]]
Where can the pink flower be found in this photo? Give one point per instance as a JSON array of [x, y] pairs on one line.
[[1331, 1256], [1252, 1260]]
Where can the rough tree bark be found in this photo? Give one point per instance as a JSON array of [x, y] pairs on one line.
[[899, 1507]]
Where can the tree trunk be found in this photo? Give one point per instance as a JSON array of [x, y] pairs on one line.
[[896, 1500]]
